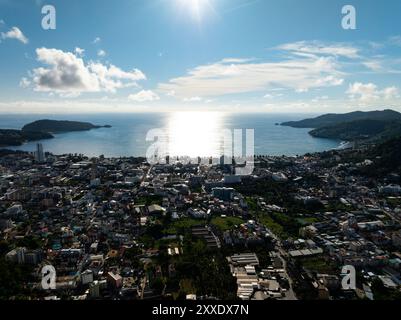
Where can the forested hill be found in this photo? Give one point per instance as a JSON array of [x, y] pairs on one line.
[[18, 137], [334, 119], [55, 126], [360, 130], [42, 129]]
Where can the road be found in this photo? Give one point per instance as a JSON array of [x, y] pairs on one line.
[[143, 285], [290, 294]]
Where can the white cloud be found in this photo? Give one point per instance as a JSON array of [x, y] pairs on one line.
[[66, 73], [320, 98], [307, 65], [390, 93], [144, 95], [374, 65], [170, 93], [105, 72], [363, 92], [222, 78], [79, 52], [369, 92], [272, 95], [96, 40], [235, 60], [192, 99], [101, 53], [15, 33], [24, 83], [313, 48]]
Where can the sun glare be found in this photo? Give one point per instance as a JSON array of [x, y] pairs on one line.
[[196, 8], [195, 134]]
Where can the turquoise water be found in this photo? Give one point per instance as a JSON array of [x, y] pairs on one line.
[[189, 133]]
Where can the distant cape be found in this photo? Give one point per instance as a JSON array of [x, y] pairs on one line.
[[368, 126], [42, 129], [333, 119], [55, 126]]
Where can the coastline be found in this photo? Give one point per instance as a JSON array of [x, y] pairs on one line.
[[188, 132]]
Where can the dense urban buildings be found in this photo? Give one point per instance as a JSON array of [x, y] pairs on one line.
[[119, 228]]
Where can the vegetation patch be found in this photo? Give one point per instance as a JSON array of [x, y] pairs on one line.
[[226, 223]]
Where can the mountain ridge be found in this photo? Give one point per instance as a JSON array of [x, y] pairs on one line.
[[336, 118]]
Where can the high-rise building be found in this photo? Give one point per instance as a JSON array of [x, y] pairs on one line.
[[94, 181], [94, 289], [24, 256], [16, 255], [33, 257], [39, 154], [94, 169]]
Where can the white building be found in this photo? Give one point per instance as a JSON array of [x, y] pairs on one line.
[[39, 154], [87, 277]]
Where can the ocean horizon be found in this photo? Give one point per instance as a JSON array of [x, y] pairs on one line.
[[189, 133]]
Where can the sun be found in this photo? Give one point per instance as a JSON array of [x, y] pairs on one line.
[[196, 8]]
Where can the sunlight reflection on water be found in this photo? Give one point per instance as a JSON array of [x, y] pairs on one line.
[[195, 134]]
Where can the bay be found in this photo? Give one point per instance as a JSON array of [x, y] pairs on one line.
[[189, 133]]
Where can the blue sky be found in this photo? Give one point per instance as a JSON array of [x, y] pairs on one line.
[[232, 55]]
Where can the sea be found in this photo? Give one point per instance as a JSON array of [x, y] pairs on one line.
[[186, 133]]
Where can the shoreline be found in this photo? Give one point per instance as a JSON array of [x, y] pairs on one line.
[[127, 137]]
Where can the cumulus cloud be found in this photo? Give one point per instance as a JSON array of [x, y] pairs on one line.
[[390, 93], [96, 40], [79, 52], [101, 53], [144, 95], [15, 33], [369, 92], [67, 73]]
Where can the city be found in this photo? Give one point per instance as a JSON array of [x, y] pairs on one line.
[[200, 158], [120, 228]]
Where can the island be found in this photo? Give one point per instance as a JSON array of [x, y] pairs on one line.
[[362, 126], [55, 126], [42, 129]]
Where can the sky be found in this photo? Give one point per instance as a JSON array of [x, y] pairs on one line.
[[278, 56]]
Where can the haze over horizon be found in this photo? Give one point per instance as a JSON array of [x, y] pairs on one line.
[[199, 55]]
